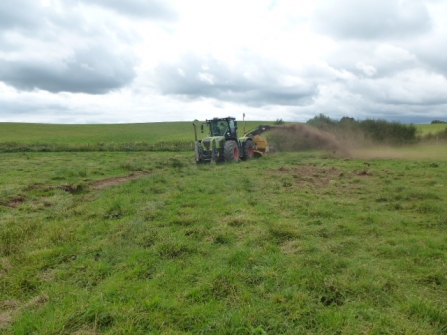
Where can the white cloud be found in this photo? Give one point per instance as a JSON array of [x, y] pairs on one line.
[[141, 61], [368, 70], [373, 19]]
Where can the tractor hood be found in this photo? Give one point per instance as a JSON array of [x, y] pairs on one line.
[[209, 142]]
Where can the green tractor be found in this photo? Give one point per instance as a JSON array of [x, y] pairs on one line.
[[222, 143]]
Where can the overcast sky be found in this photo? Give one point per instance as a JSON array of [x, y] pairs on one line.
[[110, 61]]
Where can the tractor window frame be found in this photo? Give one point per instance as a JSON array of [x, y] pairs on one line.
[[232, 125]]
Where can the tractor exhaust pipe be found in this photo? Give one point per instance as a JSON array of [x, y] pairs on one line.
[[195, 131], [243, 119]]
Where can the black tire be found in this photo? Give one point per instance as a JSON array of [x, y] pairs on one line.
[[247, 150], [231, 151], [200, 152]]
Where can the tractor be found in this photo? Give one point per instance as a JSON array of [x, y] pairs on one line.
[[223, 144]]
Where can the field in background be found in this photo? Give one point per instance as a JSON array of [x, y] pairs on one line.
[[296, 243], [28, 133], [425, 129], [163, 136]]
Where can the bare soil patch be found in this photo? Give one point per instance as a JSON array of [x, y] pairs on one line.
[[317, 176], [39, 187], [310, 174], [362, 173], [5, 319], [13, 201], [73, 189], [16, 200], [117, 180], [7, 309]]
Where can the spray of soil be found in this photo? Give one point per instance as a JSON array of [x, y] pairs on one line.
[[299, 137], [353, 144]]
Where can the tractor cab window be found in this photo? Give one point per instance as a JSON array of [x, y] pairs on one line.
[[233, 127], [219, 128], [223, 126]]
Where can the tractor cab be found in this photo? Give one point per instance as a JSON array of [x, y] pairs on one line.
[[226, 127]]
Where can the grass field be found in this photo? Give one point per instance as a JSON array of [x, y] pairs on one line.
[[425, 129], [92, 133], [163, 136], [105, 133], [296, 243]]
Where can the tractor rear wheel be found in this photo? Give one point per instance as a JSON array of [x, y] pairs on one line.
[[231, 151], [247, 150]]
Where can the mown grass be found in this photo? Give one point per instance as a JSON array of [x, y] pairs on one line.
[[287, 244]]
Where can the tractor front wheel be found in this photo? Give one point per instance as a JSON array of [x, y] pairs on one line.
[[231, 151]]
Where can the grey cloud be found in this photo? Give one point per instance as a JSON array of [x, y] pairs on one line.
[[366, 59], [29, 108], [19, 14], [403, 89], [436, 62], [24, 108], [62, 51], [95, 70], [255, 84], [361, 105], [373, 19], [405, 113], [432, 52], [148, 9]]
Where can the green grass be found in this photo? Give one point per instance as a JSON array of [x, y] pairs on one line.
[[121, 133], [28, 133], [425, 129], [163, 136], [297, 243], [93, 133]]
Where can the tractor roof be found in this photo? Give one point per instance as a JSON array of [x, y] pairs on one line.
[[222, 119]]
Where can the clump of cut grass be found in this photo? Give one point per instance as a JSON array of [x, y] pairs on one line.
[[132, 166]]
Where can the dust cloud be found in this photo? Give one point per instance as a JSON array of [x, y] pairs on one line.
[[414, 152], [299, 137]]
